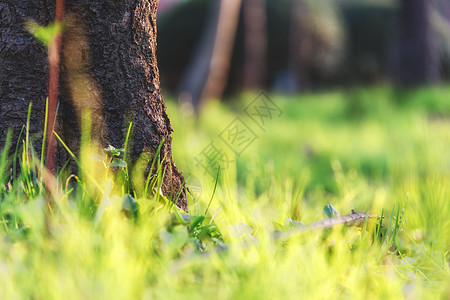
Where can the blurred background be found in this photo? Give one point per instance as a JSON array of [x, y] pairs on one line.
[[211, 48], [361, 87]]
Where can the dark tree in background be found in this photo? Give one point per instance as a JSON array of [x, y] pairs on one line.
[[255, 40], [223, 49], [297, 47], [207, 75], [108, 65], [316, 44], [441, 22], [197, 71], [416, 55]]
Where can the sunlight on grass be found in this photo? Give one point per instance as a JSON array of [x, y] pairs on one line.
[[104, 234]]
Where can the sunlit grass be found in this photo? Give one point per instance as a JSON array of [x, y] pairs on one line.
[[368, 154]]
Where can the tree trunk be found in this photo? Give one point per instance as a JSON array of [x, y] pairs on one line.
[[255, 24], [108, 65], [223, 49], [197, 71], [416, 56], [443, 7], [298, 47], [207, 74]]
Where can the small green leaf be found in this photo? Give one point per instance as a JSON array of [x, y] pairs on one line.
[[45, 34], [329, 211], [289, 223], [130, 206], [196, 221], [111, 150], [116, 162]]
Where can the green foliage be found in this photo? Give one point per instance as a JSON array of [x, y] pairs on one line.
[[101, 235], [45, 34]]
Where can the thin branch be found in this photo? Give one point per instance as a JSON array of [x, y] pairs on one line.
[[352, 220]]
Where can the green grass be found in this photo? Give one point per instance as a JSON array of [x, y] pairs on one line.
[[373, 150]]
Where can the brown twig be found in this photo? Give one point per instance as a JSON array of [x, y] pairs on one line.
[[54, 50], [54, 54], [352, 220]]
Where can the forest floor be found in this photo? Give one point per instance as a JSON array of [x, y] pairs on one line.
[[282, 159]]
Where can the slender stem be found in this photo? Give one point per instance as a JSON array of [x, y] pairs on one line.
[[54, 50]]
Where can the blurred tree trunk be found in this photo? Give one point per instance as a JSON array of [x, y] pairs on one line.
[[223, 49], [416, 56], [207, 75], [298, 73], [443, 8], [441, 21], [196, 74], [108, 66], [255, 33]]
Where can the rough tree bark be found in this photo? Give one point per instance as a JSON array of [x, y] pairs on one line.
[[108, 65]]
